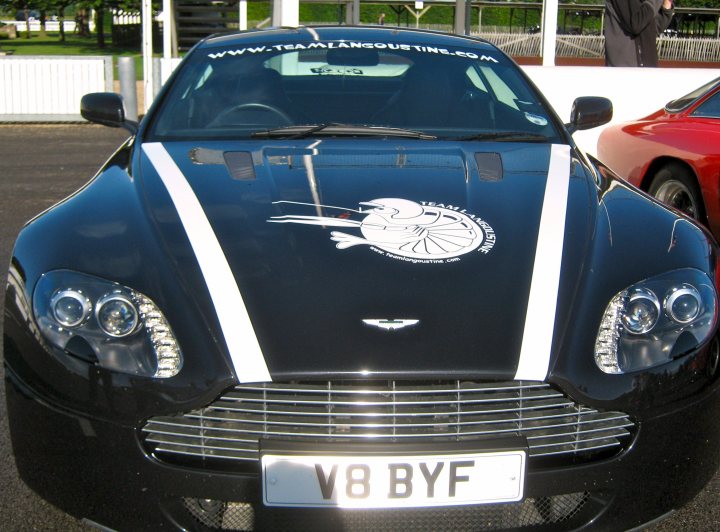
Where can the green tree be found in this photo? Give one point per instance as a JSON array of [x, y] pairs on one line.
[[18, 5], [44, 7], [60, 6], [100, 7], [84, 8]]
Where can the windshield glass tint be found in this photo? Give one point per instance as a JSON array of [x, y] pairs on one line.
[[681, 103], [449, 93], [710, 108]]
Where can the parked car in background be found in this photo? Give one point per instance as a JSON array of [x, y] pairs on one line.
[[674, 154], [32, 15], [345, 278]]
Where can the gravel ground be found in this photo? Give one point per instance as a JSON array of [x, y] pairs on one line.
[[42, 164]]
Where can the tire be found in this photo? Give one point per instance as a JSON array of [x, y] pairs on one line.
[[676, 186]]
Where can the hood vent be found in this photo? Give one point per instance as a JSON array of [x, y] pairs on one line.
[[490, 166], [239, 163], [206, 156]]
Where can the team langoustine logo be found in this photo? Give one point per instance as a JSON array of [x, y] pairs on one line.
[[403, 229]]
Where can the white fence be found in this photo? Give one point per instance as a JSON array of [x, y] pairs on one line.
[[50, 25], [49, 88], [120, 17]]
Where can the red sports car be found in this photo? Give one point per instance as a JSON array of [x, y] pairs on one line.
[[674, 154]]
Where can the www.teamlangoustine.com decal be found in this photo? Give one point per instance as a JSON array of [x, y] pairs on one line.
[[425, 232]]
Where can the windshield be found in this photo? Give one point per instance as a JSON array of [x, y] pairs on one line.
[[681, 103], [439, 92]]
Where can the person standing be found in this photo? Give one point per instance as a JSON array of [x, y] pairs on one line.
[[631, 30]]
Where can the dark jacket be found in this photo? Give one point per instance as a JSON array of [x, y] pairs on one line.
[[631, 30]]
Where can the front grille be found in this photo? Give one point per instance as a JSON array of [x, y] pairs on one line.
[[561, 512], [228, 430]]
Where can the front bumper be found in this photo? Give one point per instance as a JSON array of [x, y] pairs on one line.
[[98, 470]]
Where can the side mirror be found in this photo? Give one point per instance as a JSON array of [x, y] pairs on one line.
[[589, 112], [106, 108]]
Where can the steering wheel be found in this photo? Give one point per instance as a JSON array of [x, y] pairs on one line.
[[243, 106]]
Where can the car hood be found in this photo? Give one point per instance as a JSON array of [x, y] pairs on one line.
[[371, 257]]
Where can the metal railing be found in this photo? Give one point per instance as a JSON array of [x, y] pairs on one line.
[[690, 49], [592, 46]]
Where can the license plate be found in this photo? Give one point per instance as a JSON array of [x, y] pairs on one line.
[[393, 481]]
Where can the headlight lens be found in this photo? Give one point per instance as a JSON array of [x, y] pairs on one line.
[[116, 314], [118, 328], [70, 307], [642, 311], [638, 332], [683, 304]]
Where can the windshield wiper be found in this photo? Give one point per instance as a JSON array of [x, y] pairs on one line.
[[507, 136], [339, 130], [294, 131]]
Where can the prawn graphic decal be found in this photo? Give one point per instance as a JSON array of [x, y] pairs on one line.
[[403, 229]]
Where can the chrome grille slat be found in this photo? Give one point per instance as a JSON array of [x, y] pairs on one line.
[[178, 437], [304, 411], [570, 450], [360, 389], [196, 445], [530, 423], [572, 438], [388, 403], [560, 410], [253, 454], [191, 452], [528, 433], [231, 427]]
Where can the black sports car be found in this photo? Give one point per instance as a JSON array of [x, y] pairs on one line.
[[354, 278]]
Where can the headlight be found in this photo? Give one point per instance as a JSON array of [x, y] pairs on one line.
[[105, 323], [70, 308], [655, 321], [642, 311], [683, 304], [116, 314]]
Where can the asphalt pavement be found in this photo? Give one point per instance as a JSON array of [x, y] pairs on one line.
[[41, 164]]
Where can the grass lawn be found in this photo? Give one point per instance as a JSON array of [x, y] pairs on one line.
[[73, 45]]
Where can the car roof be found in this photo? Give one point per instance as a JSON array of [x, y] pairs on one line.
[[339, 33]]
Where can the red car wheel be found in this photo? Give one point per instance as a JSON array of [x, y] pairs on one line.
[[675, 186]]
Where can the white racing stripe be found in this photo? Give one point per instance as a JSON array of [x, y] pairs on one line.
[[540, 318], [242, 343]]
